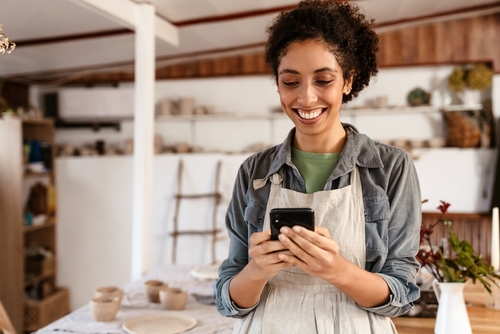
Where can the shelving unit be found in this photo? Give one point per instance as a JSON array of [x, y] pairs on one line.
[[29, 288], [426, 109]]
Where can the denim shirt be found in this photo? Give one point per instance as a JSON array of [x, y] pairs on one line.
[[392, 209]]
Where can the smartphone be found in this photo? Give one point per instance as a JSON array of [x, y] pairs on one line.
[[290, 217]]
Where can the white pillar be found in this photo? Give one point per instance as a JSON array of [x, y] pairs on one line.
[[143, 139]]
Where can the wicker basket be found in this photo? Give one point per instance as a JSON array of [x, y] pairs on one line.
[[38, 314], [461, 130], [469, 128], [41, 267]]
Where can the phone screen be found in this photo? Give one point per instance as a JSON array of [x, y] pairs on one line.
[[290, 217]]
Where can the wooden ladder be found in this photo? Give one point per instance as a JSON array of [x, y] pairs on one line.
[[213, 231]]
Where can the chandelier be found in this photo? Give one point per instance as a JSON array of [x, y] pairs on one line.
[[5, 44]]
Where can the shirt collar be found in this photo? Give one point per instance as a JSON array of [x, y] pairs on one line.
[[359, 150]]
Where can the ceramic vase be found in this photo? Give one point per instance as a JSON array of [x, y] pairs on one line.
[[452, 316], [470, 96]]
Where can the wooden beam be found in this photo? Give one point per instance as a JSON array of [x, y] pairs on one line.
[[74, 37], [124, 13], [233, 16]]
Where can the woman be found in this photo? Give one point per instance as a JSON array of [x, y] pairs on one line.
[[357, 269]]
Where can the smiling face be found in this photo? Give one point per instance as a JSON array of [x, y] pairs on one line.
[[310, 86]]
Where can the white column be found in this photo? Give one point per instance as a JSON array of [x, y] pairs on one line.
[[143, 139]]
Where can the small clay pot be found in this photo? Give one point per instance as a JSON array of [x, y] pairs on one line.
[[109, 291], [104, 308], [173, 298], [152, 290]]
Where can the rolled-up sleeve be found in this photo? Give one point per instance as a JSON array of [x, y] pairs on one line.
[[237, 259], [401, 266]]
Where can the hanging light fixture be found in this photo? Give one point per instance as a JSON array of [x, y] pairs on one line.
[[5, 44]]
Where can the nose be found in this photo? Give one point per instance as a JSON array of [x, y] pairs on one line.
[[307, 95]]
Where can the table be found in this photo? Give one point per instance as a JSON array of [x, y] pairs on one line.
[[482, 320], [134, 305]]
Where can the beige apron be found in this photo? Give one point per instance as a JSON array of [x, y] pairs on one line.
[[295, 302]]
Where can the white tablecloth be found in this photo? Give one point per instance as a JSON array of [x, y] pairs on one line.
[[135, 305]]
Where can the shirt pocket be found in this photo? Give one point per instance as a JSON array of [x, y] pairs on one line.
[[376, 209], [254, 215]]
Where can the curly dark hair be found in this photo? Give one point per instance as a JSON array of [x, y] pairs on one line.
[[340, 26]]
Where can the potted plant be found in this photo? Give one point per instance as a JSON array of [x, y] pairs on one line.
[[451, 272], [465, 263], [468, 82]]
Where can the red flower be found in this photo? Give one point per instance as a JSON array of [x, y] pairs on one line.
[[444, 207]]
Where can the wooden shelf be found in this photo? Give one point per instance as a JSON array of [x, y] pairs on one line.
[[51, 222], [39, 122], [221, 117], [351, 111], [21, 273], [31, 175], [38, 279], [410, 110]]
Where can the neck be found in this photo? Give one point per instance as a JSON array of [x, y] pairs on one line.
[[327, 142]]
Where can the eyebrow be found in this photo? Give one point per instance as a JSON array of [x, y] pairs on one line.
[[323, 69]]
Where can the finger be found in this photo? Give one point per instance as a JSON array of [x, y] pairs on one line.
[[260, 237], [302, 235], [266, 247], [306, 245], [322, 231], [291, 259], [272, 246], [296, 245]]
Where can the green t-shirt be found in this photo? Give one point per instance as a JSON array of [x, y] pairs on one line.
[[315, 168]]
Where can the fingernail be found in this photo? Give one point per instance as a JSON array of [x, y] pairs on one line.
[[285, 230], [296, 229], [282, 237]]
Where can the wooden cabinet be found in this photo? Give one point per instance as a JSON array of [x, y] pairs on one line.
[[28, 254]]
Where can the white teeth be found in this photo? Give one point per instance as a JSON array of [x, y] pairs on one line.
[[309, 114]]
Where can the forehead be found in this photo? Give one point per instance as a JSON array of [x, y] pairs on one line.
[[308, 55]]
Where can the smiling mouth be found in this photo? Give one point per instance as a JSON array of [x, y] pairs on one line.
[[309, 114]]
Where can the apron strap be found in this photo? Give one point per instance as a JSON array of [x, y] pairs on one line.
[[356, 180], [276, 180], [259, 183]]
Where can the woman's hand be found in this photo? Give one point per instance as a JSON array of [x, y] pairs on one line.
[[246, 287], [265, 255], [314, 252]]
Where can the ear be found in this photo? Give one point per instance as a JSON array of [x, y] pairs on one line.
[[348, 83]]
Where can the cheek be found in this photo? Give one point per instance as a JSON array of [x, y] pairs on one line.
[[286, 97]]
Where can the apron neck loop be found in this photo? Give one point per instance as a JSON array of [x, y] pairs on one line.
[[276, 179]]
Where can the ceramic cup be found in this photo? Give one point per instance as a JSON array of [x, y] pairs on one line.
[[104, 308], [152, 290], [109, 291], [173, 298]]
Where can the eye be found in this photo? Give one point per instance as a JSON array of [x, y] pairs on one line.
[[324, 82], [290, 83]]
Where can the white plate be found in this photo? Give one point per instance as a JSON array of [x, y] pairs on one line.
[[159, 324], [208, 272]]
